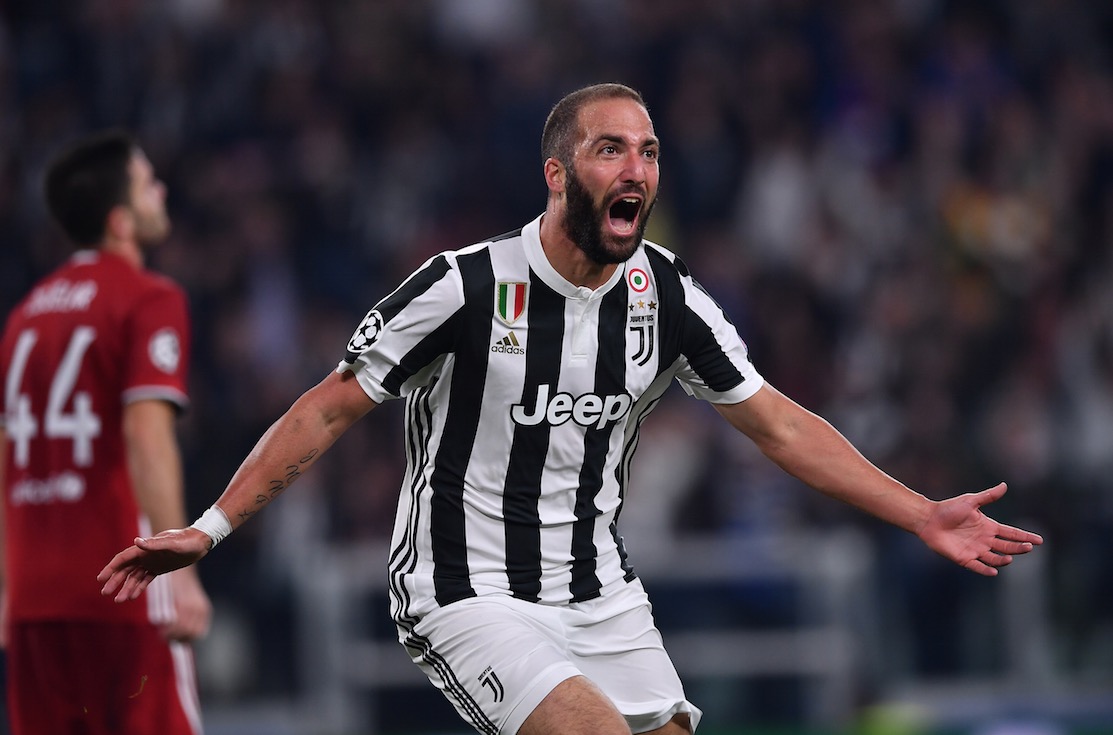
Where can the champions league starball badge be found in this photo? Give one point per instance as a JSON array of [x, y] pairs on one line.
[[367, 333], [165, 350]]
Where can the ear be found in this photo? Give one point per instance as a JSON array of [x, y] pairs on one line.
[[120, 224], [554, 175]]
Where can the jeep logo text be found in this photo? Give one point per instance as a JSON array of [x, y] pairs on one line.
[[585, 410]]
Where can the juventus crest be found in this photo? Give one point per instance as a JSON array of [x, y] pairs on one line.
[[642, 317]]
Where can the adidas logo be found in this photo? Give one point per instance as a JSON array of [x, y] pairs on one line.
[[509, 345]]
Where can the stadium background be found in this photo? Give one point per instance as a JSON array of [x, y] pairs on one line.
[[903, 204]]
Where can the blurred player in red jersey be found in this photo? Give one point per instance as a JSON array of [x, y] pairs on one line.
[[93, 367]]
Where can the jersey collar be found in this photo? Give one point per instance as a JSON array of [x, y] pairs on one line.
[[539, 262]]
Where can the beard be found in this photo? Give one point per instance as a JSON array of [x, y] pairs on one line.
[[584, 224], [151, 228]]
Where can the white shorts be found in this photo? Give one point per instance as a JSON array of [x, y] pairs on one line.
[[496, 657]]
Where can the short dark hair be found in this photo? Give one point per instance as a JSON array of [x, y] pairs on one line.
[[86, 180], [558, 136]]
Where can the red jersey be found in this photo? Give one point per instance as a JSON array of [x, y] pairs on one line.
[[91, 337]]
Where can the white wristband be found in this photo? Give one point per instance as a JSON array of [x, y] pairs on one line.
[[215, 524]]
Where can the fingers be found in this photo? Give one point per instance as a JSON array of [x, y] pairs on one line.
[[1012, 533], [979, 567], [124, 577], [114, 574], [113, 584], [1023, 540], [1008, 546], [988, 563], [999, 554], [123, 559], [149, 544], [133, 584], [985, 497], [109, 583]]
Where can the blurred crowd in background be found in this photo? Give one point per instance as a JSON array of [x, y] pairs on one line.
[[906, 206]]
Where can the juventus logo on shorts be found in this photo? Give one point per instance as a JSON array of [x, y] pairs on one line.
[[489, 679]]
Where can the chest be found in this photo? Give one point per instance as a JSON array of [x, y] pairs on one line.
[[585, 353]]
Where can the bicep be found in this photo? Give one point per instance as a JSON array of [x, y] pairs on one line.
[[154, 463], [768, 417], [339, 401], [147, 419], [150, 440]]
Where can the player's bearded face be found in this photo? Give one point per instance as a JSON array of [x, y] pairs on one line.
[[151, 226], [585, 222], [148, 202]]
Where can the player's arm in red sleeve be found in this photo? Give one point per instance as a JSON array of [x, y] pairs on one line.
[[812, 450], [156, 363], [287, 450]]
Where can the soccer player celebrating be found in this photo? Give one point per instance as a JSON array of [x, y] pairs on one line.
[[528, 363], [93, 368]]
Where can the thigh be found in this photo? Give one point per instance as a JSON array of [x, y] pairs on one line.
[[494, 658], [575, 707], [99, 679], [616, 644]]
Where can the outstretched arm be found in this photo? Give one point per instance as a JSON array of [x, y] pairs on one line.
[[288, 448], [809, 448]]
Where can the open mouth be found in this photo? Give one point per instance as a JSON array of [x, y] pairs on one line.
[[623, 214]]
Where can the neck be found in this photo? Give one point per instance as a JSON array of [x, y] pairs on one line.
[[127, 249], [567, 258]]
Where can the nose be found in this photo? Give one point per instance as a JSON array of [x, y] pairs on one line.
[[634, 168]]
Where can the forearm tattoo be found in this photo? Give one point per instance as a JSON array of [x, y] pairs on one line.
[[277, 485]]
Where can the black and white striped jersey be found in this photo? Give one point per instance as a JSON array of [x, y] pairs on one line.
[[524, 397]]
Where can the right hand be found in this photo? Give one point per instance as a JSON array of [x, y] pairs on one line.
[[193, 611], [130, 571]]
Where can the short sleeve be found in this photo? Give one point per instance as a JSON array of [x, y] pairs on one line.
[[158, 347], [399, 343], [716, 364]]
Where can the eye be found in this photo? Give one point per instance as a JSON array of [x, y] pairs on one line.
[[608, 150], [651, 154]]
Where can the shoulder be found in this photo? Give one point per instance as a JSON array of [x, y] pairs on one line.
[[151, 286], [160, 282], [492, 246], [479, 257], [659, 254], [122, 279], [149, 294]]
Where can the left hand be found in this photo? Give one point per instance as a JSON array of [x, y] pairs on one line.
[[958, 530]]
